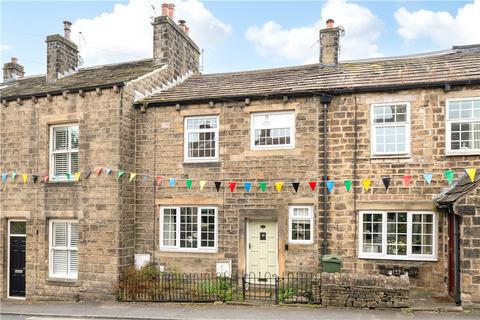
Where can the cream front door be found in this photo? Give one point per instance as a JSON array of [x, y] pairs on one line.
[[262, 247]]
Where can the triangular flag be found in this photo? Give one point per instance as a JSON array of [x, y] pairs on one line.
[[25, 178], [14, 174], [98, 171], [348, 184], [472, 172], [279, 186], [172, 182], [263, 186], [45, 178], [231, 185], [313, 185], [145, 179], [218, 184], [386, 182], [366, 184], [202, 184], [35, 178], [188, 183], [77, 175], [120, 174], [406, 180], [108, 171], [87, 175], [68, 176], [132, 176], [158, 180], [295, 186], [4, 177], [248, 186], [330, 185], [428, 177], [449, 174]]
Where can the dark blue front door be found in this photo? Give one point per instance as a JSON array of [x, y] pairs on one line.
[[17, 266]]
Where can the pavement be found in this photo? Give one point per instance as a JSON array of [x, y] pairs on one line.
[[21, 310]]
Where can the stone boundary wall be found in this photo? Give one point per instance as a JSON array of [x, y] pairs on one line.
[[360, 291]]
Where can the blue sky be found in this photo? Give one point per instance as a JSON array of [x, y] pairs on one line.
[[239, 35]]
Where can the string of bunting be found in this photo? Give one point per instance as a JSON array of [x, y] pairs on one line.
[[366, 183]]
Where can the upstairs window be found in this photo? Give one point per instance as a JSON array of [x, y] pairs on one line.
[[274, 130], [201, 139], [63, 151], [463, 126], [63, 249], [390, 129]]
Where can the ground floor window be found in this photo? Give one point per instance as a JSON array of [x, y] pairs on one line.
[[63, 249], [398, 235], [300, 224], [188, 228]]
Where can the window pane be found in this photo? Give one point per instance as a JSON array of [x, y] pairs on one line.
[[188, 227], [169, 227], [208, 228], [73, 261], [273, 129], [18, 227], [422, 233], [73, 235], [60, 236], [60, 261], [372, 233], [60, 162], [74, 162], [396, 233], [301, 230], [60, 138], [73, 137]]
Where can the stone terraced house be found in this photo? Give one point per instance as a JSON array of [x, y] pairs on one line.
[[388, 120]]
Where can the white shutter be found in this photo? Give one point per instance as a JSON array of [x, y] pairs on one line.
[[73, 137], [73, 262], [61, 138], [73, 162], [60, 234], [73, 235], [60, 261], [60, 161]]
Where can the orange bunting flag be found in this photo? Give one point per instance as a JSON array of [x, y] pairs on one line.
[[366, 184], [202, 184], [25, 177], [279, 186], [472, 172]]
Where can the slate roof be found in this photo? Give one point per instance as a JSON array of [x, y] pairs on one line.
[[458, 190], [86, 79], [460, 63]]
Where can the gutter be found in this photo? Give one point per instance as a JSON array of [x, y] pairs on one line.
[[456, 256], [325, 101]]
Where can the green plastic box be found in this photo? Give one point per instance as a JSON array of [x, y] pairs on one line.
[[331, 263]]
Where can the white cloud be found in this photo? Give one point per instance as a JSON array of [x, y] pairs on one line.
[[362, 30], [126, 33], [4, 47], [441, 27]]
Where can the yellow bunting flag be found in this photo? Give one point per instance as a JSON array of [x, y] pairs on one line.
[[77, 175], [132, 176], [25, 177], [366, 184], [472, 172], [278, 186], [202, 184]]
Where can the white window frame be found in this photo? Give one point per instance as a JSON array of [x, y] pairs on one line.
[[186, 131], [448, 129], [310, 217], [52, 152], [68, 248], [409, 256], [291, 145], [177, 247], [373, 126]]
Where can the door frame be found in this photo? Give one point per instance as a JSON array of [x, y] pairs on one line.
[[248, 239], [8, 257]]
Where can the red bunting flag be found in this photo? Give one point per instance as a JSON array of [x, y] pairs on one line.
[[313, 185], [45, 178], [231, 185], [158, 180], [406, 180], [98, 171]]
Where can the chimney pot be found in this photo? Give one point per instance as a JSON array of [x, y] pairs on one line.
[[171, 11], [67, 28], [165, 9], [12, 70], [330, 23], [14, 60]]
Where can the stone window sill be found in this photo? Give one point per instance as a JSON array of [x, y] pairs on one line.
[[209, 164], [63, 282]]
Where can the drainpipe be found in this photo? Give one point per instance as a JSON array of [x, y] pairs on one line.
[[325, 101], [456, 255]]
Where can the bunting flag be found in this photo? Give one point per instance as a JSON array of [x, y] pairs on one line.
[[35, 178], [45, 178], [406, 180], [172, 182], [87, 175], [108, 171], [145, 179], [202, 184], [263, 186], [218, 184], [279, 186], [330, 185], [98, 171], [188, 183], [4, 177], [25, 178], [120, 174], [428, 177], [472, 172], [348, 184], [449, 174], [158, 180], [14, 174], [295, 186], [386, 182], [366, 184], [247, 185], [68, 176], [132, 176], [313, 185], [77, 175], [231, 185]]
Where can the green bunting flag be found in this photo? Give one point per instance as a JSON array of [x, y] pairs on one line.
[[14, 174], [188, 182], [67, 175], [348, 184], [263, 186], [120, 174], [449, 174]]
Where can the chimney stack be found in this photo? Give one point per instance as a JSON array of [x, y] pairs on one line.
[[330, 44], [12, 70], [172, 46], [62, 54]]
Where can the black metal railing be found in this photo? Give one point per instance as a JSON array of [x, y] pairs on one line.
[[208, 287]]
